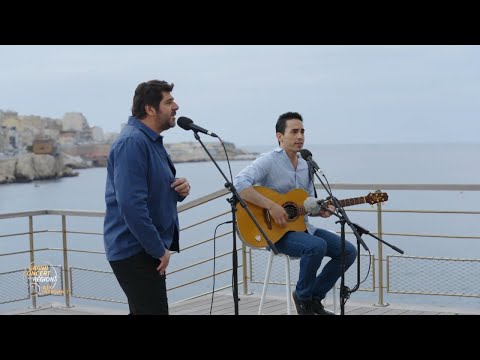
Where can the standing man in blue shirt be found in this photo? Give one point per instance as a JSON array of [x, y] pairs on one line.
[[141, 195], [283, 170]]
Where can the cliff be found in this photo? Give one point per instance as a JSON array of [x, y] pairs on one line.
[[60, 145], [29, 167], [194, 152]]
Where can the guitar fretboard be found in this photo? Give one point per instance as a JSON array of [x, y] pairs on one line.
[[349, 202], [300, 210], [343, 203]]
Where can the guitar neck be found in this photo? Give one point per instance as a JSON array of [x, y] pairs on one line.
[[349, 202], [343, 203]]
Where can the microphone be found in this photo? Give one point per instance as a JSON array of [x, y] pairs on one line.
[[187, 124], [307, 156]]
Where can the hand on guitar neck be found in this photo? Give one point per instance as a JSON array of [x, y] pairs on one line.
[[315, 207], [325, 213]]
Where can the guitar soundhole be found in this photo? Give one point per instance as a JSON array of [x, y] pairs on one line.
[[291, 210]]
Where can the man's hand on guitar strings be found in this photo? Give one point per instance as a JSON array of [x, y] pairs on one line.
[[278, 214], [314, 206], [327, 213]]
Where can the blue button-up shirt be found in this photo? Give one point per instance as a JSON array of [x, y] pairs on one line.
[[275, 171], [141, 207]]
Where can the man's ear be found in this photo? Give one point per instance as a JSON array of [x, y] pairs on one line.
[[150, 110], [279, 136]]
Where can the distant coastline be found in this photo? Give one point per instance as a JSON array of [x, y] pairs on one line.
[[34, 148], [28, 167]]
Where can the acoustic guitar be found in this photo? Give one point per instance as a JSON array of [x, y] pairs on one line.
[[292, 202]]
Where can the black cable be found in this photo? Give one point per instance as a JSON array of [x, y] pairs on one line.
[[231, 180], [369, 253], [214, 257], [228, 161], [369, 268], [328, 184]]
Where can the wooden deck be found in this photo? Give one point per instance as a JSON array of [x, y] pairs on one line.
[[248, 305]]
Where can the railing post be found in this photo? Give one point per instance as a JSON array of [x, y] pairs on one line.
[[65, 262], [250, 264], [380, 255], [32, 259], [245, 275]]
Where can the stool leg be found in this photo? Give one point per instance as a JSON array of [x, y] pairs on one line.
[[335, 300], [265, 283], [287, 277]]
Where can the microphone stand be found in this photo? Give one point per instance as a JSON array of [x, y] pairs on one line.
[[358, 232], [233, 201], [343, 219], [362, 231]]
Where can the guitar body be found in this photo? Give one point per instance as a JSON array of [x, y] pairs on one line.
[[292, 202]]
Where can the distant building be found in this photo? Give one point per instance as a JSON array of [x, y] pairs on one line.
[[43, 146], [7, 114], [67, 137], [74, 121], [97, 134], [3, 135], [13, 123], [27, 129], [13, 137]]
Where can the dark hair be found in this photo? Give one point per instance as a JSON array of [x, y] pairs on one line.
[[149, 93], [282, 121]]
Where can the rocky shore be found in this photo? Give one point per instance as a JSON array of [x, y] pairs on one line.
[[30, 167], [194, 152], [36, 148]]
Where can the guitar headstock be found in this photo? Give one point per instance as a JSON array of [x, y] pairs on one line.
[[377, 197]]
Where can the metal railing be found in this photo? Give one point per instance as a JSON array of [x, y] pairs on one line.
[[386, 275]]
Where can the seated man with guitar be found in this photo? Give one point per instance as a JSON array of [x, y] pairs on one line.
[[281, 171]]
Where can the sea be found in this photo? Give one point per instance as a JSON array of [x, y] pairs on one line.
[[452, 163]]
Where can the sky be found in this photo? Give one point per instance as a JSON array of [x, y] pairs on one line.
[[346, 94]]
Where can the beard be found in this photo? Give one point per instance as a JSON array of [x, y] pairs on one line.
[[168, 123]]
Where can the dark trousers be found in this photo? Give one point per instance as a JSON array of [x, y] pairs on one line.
[[142, 283]]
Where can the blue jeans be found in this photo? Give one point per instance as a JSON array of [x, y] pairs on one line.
[[311, 249]]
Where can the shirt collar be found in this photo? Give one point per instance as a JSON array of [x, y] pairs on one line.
[[302, 164], [136, 122], [279, 150]]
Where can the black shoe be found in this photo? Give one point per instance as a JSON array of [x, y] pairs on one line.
[[319, 309], [304, 307]]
